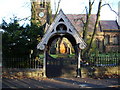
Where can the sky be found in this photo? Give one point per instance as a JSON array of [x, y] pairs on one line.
[[22, 8]]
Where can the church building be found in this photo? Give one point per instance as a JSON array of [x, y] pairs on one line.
[[107, 37]]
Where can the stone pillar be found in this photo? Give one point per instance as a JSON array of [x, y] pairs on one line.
[[44, 62]]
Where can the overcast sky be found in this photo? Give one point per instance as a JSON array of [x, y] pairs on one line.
[[22, 9]]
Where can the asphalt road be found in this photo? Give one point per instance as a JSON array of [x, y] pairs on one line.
[[58, 83]]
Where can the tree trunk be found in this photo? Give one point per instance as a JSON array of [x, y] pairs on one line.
[[85, 29], [95, 27], [49, 14]]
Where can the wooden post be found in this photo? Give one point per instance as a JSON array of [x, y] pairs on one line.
[[44, 62], [79, 66]]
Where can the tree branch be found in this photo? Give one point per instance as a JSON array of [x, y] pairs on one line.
[[81, 19], [86, 10], [88, 14], [57, 9], [95, 27], [93, 2], [24, 18], [110, 8]]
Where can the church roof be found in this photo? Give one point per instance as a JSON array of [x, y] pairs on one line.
[[109, 25], [76, 20]]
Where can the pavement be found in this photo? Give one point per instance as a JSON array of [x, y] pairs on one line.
[[60, 83]]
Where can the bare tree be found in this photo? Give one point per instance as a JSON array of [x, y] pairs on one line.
[[110, 8], [88, 14], [57, 9], [95, 26], [87, 22]]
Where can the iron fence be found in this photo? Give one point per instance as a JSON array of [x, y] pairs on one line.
[[103, 61], [38, 63], [21, 63]]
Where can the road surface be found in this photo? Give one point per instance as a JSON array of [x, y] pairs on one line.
[[56, 83]]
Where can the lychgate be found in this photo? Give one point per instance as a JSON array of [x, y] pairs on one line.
[[62, 27]]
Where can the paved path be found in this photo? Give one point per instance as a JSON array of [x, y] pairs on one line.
[[59, 83]]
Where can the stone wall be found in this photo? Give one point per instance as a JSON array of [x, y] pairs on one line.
[[101, 72], [92, 72], [86, 72], [22, 73]]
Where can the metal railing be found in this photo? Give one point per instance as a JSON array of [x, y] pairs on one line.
[[103, 60], [21, 63], [38, 63]]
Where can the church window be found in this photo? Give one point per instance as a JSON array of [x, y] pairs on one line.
[[98, 43], [115, 40], [42, 4], [107, 40]]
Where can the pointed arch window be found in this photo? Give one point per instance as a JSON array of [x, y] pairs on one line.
[[42, 3], [107, 40], [115, 40], [98, 43]]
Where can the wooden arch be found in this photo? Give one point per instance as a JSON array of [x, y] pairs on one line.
[[61, 27]]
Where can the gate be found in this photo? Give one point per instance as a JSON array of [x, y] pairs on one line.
[[61, 67]]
